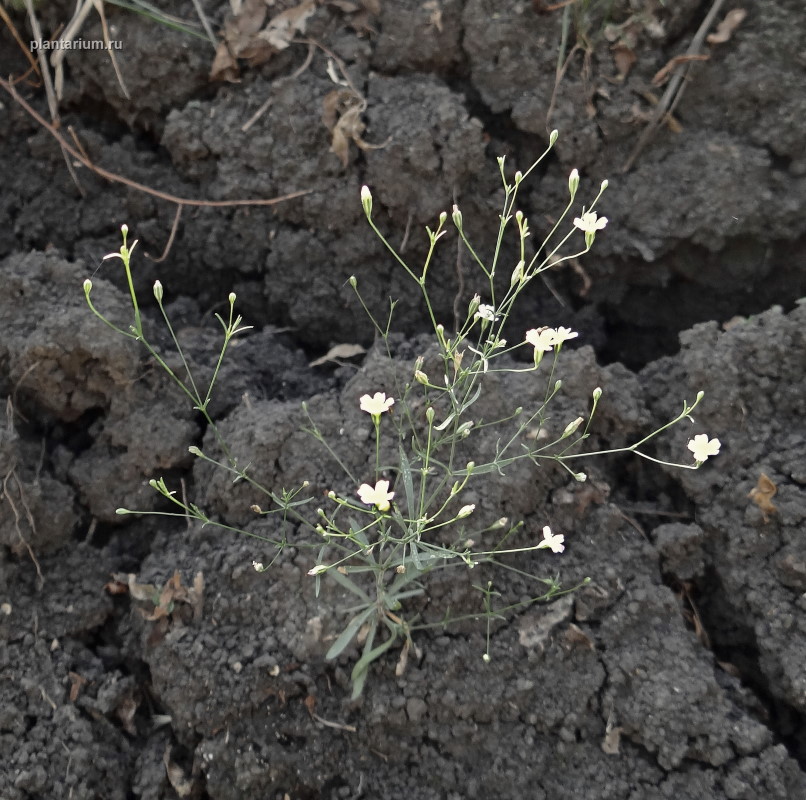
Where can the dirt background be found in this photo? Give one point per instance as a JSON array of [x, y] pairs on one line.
[[678, 672]]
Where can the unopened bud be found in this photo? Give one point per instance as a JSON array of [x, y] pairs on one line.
[[353, 281], [580, 476], [456, 216], [473, 307], [158, 291], [572, 426], [502, 523], [429, 414], [573, 182], [87, 286], [518, 177], [442, 217], [597, 393], [517, 273], [605, 184], [553, 137], [317, 570], [486, 658], [421, 377], [231, 298], [466, 511], [366, 200], [400, 569], [256, 508]]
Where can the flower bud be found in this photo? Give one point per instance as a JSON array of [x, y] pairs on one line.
[[317, 570], [573, 182], [366, 200], [87, 286], [456, 216], [421, 377], [517, 274], [158, 291], [580, 476], [486, 658], [256, 508], [442, 217], [473, 307], [231, 297], [518, 177], [331, 495], [466, 511], [597, 393], [353, 281], [572, 426], [400, 569], [194, 451], [557, 386], [429, 414], [553, 137], [471, 465], [502, 523], [605, 184]]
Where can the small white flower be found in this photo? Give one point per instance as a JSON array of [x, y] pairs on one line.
[[554, 541], [318, 569], [466, 511], [378, 496], [258, 566], [702, 447], [377, 404], [589, 222], [486, 312], [542, 339], [563, 335]]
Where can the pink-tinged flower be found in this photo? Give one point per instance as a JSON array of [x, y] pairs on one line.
[[553, 541], [378, 496], [589, 222], [703, 447], [377, 404]]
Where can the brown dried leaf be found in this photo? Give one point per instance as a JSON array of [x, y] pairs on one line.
[[286, 25], [225, 66], [196, 596], [77, 682], [624, 57], [663, 74], [575, 636], [612, 741], [762, 493], [138, 591], [726, 28], [125, 712], [337, 352], [176, 775], [435, 13]]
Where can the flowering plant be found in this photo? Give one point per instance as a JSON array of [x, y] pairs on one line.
[[382, 538]]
